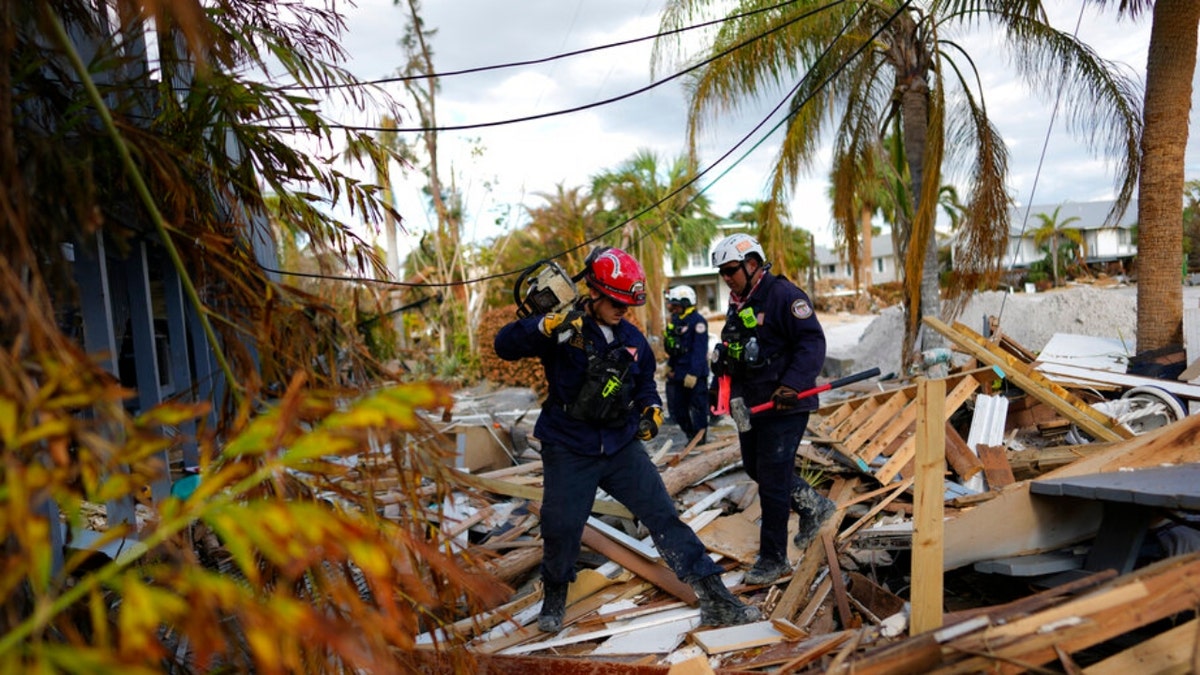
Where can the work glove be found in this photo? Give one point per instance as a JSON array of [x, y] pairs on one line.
[[784, 397], [651, 420], [558, 323], [689, 381]]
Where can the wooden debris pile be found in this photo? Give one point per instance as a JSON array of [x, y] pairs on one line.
[[923, 473]]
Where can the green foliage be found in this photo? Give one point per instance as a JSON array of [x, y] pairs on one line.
[[305, 574]]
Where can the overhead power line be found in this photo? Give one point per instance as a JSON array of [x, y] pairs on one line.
[[855, 54]]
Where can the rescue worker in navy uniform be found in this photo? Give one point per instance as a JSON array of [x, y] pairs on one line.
[[772, 347], [602, 403], [686, 343]]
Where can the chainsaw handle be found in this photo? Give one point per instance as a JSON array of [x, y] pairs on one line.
[[840, 382]]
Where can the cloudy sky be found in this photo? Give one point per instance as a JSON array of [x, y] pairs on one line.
[[517, 161]]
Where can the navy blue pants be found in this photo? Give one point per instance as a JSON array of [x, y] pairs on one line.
[[570, 480], [689, 408], [769, 457]]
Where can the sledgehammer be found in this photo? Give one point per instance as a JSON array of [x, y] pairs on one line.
[[741, 413]]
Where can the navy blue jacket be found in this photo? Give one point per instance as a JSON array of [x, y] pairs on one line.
[[565, 365], [791, 344], [691, 334]]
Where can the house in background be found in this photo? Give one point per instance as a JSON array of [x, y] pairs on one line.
[[835, 263], [1102, 244]]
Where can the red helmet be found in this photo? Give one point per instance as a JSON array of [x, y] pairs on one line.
[[617, 276]]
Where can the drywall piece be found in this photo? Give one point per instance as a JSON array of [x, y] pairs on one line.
[[733, 638], [659, 638], [669, 616]]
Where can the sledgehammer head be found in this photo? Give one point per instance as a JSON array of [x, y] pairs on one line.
[[740, 414]]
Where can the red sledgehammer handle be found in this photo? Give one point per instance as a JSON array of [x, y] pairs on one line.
[[840, 382]]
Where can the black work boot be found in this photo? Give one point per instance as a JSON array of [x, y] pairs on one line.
[[766, 570], [718, 607], [554, 607], [814, 510]]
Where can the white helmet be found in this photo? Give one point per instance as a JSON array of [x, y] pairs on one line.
[[735, 248], [684, 296]]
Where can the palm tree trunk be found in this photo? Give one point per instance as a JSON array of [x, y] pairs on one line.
[[867, 258], [1170, 64]]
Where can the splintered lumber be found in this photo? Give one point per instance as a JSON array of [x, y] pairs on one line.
[[793, 655], [928, 507], [1035, 384], [995, 466], [960, 458], [515, 563], [907, 450], [1171, 651], [1129, 602], [501, 487], [839, 586], [1018, 523], [659, 575]]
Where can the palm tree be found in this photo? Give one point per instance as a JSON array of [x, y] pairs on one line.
[[1170, 66], [873, 63], [1053, 230], [861, 186], [671, 219]]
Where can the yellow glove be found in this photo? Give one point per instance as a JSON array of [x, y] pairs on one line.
[[557, 323], [651, 420], [689, 381]]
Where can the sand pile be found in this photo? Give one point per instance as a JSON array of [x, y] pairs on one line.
[[1029, 318]]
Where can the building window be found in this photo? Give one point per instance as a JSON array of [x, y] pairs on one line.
[[698, 260], [879, 264]]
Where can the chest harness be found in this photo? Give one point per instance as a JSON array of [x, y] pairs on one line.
[[606, 396], [738, 352], [673, 341]]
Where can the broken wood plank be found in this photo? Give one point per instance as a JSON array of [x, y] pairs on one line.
[[867, 517], [960, 458], [952, 401], [501, 487], [996, 470], [1035, 384], [1172, 651], [839, 585], [659, 575]]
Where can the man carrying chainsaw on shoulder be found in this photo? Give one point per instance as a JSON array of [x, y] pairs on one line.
[[686, 344], [602, 403], [772, 347]]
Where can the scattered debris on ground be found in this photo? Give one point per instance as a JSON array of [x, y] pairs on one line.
[[1065, 542]]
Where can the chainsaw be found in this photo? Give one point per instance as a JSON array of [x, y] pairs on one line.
[[545, 287]]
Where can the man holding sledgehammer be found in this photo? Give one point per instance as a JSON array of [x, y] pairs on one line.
[[772, 347]]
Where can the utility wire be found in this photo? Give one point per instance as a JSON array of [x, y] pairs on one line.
[[580, 108], [546, 59], [683, 187], [1038, 173]]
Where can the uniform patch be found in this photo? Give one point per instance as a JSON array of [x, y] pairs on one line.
[[801, 309], [701, 328]]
